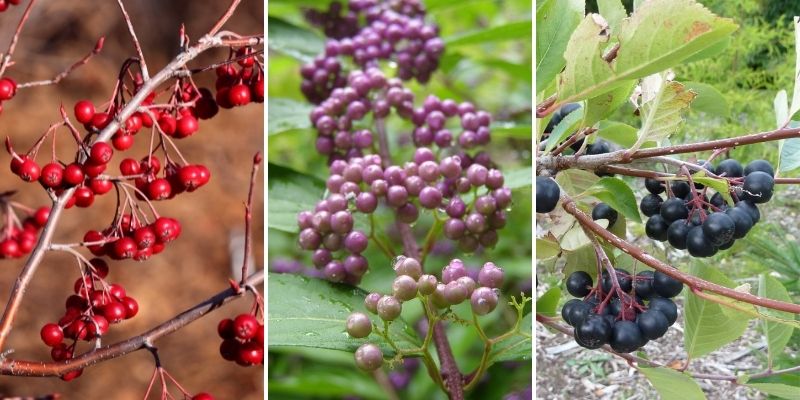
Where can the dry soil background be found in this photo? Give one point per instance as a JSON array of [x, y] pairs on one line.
[[191, 269]]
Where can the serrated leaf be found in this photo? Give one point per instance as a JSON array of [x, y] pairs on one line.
[[706, 326], [547, 303], [778, 389], [659, 34], [311, 312], [510, 31], [661, 114], [290, 192], [576, 181], [565, 127], [709, 100], [293, 40], [555, 21], [617, 132], [516, 347], [286, 115], [673, 385], [519, 178], [778, 334], [546, 248], [617, 194], [613, 11]]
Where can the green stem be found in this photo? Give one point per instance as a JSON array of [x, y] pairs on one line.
[[430, 238]]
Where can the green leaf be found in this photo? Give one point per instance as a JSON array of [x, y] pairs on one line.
[[310, 312], [548, 302], [519, 178], [709, 100], [286, 115], [602, 106], [511, 130], [673, 385], [796, 93], [778, 334], [546, 248], [521, 72], [662, 104], [659, 35], [617, 132], [327, 382], [722, 186], [617, 194], [293, 40], [778, 389], [706, 326], [511, 31], [565, 127], [555, 21], [583, 259], [789, 151], [516, 347], [289, 193], [613, 11], [576, 181]]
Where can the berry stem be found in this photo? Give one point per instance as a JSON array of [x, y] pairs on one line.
[[63, 74], [15, 39], [248, 218], [136, 44], [693, 282]]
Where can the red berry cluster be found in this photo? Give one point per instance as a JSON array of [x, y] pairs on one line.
[[8, 87], [132, 238], [19, 238], [95, 305], [176, 179], [243, 340], [5, 4], [239, 86]]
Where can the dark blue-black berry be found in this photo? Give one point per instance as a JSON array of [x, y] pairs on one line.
[[718, 201], [665, 285], [758, 187], [759, 165], [652, 324], [698, 244], [594, 332], [579, 284], [626, 337], [576, 313], [651, 204], [656, 228], [547, 194], [654, 186], [643, 284], [680, 189], [666, 306], [674, 209], [559, 115], [729, 168], [604, 211], [598, 147], [742, 221], [623, 279], [677, 232], [719, 228], [751, 209]]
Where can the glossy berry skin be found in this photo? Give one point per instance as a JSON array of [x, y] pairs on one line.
[[758, 187], [593, 333], [729, 168], [547, 194], [656, 228], [358, 325], [604, 211], [490, 275], [29, 170], [643, 284], [651, 205], [579, 284], [408, 266], [652, 324], [674, 209], [483, 300], [719, 228], [368, 357], [404, 288], [751, 209], [239, 95], [654, 186], [666, 306], [575, 311], [389, 308], [52, 335], [245, 326], [101, 153], [677, 233], [759, 165], [623, 279], [698, 244], [626, 337], [203, 396], [666, 286], [84, 111], [741, 220]]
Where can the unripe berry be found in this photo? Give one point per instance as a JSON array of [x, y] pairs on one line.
[[455, 293], [371, 302], [404, 288], [483, 300], [408, 266], [426, 284], [358, 325], [369, 357], [389, 308], [490, 275]]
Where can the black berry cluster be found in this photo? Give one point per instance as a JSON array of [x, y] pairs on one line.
[[454, 288], [625, 312], [691, 221]]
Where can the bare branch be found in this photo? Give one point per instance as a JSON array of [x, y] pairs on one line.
[[136, 44], [56, 79]]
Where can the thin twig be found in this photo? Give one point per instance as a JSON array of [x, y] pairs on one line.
[[56, 79], [13, 45], [248, 217], [136, 44], [225, 17]]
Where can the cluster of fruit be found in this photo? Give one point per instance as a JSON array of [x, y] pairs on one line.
[[5, 4], [454, 288], [242, 340], [95, 305], [131, 237], [624, 311], [8, 86], [688, 220], [18, 238], [236, 87]]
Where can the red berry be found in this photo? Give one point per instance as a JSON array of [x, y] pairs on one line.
[[100, 120], [61, 352], [8, 88], [260, 335], [100, 267], [41, 216], [203, 396], [122, 142], [245, 326], [117, 291], [100, 186], [150, 165], [144, 237], [29, 171], [222, 97], [143, 254], [239, 95], [115, 312], [131, 307], [99, 298], [250, 353], [168, 124], [247, 61], [257, 90], [9, 248], [166, 229], [225, 329], [71, 375], [83, 286], [97, 327], [229, 349], [134, 123], [52, 335], [73, 174], [206, 107], [147, 121], [187, 126], [95, 236], [51, 175], [101, 153], [84, 197], [76, 330], [129, 167], [84, 111], [26, 241], [93, 170], [124, 247], [159, 189]]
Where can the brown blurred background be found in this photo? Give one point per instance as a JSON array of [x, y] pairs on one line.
[[191, 269]]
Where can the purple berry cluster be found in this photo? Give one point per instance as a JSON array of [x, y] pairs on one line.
[[395, 30], [430, 123], [455, 287]]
